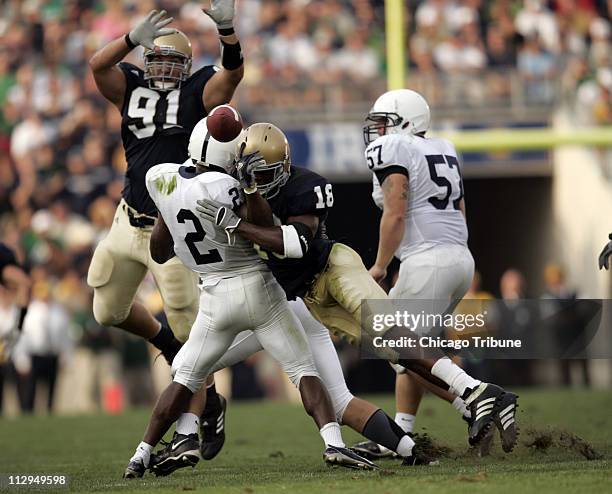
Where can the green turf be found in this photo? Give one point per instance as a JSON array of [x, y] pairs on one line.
[[274, 448]]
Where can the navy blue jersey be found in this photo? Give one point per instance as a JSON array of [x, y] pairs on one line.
[[7, 258], [155, 128], [305, 193]]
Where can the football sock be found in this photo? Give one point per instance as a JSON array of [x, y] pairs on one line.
[[331, 435], [461, 407], [187, 423], [453, 375], [165, 340], [143, 451], [212, 398], [405, 421], [381, 429]]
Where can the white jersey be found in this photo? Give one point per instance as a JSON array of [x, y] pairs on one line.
[[434, 192], [175, 189]]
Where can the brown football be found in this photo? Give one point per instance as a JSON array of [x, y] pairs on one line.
[[224, 123]]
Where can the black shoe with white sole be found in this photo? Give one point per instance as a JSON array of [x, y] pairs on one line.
[[481, 402], [183, 451], [505, 420], [373, 451], [212, 429], [347, 458], [135, 469]]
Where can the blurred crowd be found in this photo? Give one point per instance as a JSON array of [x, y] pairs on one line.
[[61, 158]]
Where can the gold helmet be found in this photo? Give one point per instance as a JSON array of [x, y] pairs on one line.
[[167, 69], [271, 143]]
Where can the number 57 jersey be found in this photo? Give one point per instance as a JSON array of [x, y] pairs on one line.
[[175, 189], [435, 188]]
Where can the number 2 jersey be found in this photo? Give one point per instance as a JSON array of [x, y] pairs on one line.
[[305, 193], [155, 127], [435, 188], [198, 244]]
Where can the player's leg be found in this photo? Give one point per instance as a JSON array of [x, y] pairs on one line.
[[115, 273], [282, 336], [362, 416], [348, 283], [178, 287], [210, 337]]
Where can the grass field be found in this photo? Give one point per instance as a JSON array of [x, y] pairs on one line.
[[275, 448]]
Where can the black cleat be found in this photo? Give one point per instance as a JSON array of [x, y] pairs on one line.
[[482, 404], [373, 451], [183, 451], [483, 448], [212, 429], [504, 419], [135, 469], [347, 458]]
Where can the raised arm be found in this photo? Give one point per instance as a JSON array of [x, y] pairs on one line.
[[220, 88], [109, 78], [392, 224]]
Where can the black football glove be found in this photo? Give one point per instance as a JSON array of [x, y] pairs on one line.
[[604, 257]]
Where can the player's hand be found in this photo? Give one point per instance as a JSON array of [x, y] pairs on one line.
[[378, 273], [150, 28], [245, 170], [219, 215], [221, 12], [604, 257]]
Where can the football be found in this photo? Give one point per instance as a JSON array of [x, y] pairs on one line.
[[224, 123]]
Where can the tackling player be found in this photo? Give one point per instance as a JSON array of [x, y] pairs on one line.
[[238, 292], [329, 276], [160, 106]]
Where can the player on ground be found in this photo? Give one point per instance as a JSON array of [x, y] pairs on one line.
[[238, 293], [15, 280], [329, 276], [159, 107], [417, 183]]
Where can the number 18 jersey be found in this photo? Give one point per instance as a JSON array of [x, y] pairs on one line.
[[155, 127], [198, 244], [435, 188]]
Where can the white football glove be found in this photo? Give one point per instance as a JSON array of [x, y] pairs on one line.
[[150, 28], [219, 215], [221, 12]]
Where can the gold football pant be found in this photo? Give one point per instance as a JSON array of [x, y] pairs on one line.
[[118, 266], [336, 294]]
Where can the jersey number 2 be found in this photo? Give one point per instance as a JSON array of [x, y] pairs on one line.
[[444, 180], [142, 109], [192, 238]]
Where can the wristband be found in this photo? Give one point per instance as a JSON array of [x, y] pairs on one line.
[[231, 56], [226, 31], [250, 190], [129, 42]]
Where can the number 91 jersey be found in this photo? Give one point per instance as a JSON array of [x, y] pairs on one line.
[[435, 188], [155, 127], [197, 243]]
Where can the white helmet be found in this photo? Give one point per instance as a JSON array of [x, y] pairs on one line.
[[401, 111], [207, 151]]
